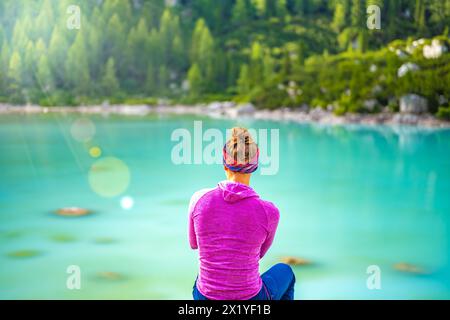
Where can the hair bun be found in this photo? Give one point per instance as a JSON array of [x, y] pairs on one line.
[[241, 134], [241, 147]]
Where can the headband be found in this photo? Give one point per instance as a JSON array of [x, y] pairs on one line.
[[233, 165]]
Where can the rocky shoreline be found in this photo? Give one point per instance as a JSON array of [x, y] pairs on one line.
[[229, 110]]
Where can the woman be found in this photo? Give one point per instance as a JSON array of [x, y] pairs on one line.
[[233, 229]]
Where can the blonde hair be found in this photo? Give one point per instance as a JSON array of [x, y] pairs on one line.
[[240, 148]]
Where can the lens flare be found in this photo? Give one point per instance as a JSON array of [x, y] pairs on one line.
[[109, 177], [127, 203], [95, 152], [82, 130]]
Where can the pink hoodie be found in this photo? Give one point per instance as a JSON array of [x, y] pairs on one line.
[[232, 228]]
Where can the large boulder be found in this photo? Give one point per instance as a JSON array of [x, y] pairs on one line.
[[246, 109], [318, 113], [214, 106], [435, 50], [413, 103], [407, 67], [370, 104]]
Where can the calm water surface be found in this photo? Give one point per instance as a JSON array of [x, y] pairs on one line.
[[349, 197]]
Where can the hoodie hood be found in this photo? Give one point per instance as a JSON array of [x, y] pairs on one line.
[[235, 191]]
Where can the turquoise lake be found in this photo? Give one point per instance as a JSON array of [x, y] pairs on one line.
[[349, 197]]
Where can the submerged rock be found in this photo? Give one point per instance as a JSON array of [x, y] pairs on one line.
[[62, 238], [73, 212], [104, 240], [296, 261], [13, 234], [27, 253], [110, 275], [409, 268]]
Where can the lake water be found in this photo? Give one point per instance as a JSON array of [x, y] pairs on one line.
[[349, 196]]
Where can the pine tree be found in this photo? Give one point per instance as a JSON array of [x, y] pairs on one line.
[[393, 9], [362, 41], [57, 55], [202, 51], [110, 84], [44, 21], [94, 44], [44, 75], [340, 17], [168, 31], [281, 8], [194, 78], [28, 65], [260, 7], [419, 14], [15, 68], [137, 51], [196, 39], [150, 82], [163, 79], [40, 49], [301, 7], [244, 82], [256, 63], [240, 14], [15, 79], [438, 12], [77, 67], [20, 37], [357, 13], [114, 43]]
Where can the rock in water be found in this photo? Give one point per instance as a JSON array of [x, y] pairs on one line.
[[413, 103], [109, 275], [24, 254], [62, 238], [72, 212], [296, 261], [409, 268], [104, 240]]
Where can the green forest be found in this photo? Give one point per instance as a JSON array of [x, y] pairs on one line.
[[273, 53]]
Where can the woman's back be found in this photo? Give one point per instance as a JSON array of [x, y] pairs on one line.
[[233, 228]]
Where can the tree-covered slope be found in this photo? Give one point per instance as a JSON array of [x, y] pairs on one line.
[[272, 52]]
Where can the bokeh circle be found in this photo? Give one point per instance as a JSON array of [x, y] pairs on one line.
[[109, 177], [82, 130]]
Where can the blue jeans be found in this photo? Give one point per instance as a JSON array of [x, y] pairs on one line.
[[278, 284]]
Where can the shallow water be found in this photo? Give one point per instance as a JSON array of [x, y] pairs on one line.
[[349, 197]]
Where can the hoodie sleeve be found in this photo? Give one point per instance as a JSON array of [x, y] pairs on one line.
[[273, 217], [192, 237]]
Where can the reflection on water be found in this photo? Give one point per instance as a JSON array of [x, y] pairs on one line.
[[350, 197]]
